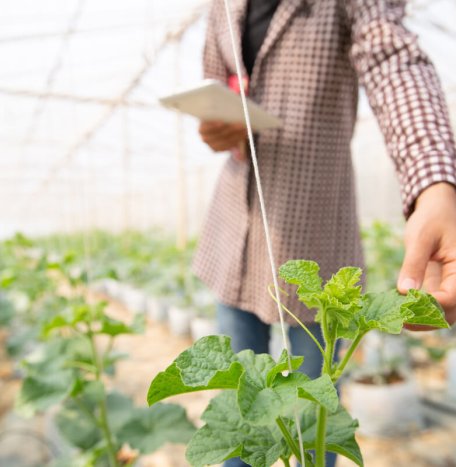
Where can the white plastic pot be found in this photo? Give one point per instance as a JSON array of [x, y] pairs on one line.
[[386, 410], [451, 372], [113, 288], [98, 286], [381, 349], [156, 309], [202, 326], [179, 320], [134, 299]]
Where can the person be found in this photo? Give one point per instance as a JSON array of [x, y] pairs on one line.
[[304, 60]]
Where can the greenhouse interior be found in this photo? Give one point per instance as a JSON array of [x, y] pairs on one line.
[[147, 248]]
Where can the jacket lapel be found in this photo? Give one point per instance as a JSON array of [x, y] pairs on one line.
[[282, 17], [238, 10]]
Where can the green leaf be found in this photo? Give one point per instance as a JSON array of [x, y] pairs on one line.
[[77, 425], [120, 409], [342, 296], [114, 327], [384, 312], [227, 435], [322, 391], [57, 322], [282, 365], [169, 382], [149, 428], [339, 299], [425, 309], [204, 359], [344, 285], [258, 403], [41, 392], [7, 311], [388, 311], [261, 405], [302, 273], [340, 434]]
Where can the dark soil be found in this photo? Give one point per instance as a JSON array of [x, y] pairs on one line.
[[393, 377]]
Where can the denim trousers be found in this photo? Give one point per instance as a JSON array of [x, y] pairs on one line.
[[249, 332]]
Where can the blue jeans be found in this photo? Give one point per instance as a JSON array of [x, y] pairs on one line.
[[249, 332]]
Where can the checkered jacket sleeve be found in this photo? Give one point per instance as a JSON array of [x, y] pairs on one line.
[[214, 66], [405, 95]]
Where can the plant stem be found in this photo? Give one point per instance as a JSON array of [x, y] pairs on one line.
[[320, 443], [286, 462], [347, 356], [104, 424], [289, 439], [320, 440], [327, 362]]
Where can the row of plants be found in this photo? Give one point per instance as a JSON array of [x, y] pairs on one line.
[[65, 348], [147, 273], [46, 282]]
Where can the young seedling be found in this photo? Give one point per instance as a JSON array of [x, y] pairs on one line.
[[71, 367], [253, 417]]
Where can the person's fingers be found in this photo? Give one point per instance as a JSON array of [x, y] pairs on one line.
[[219, 128], [227, 143], [418, 252], [224, 135], [432, 276], [446, 291], [210, 125]]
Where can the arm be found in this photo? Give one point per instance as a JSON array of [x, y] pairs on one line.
[[213, 64], [218, 136], [406, 96]]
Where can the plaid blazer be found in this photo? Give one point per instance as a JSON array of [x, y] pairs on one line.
[[307, 73]]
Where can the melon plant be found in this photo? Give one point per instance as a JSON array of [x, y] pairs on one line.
[[253, 417], [74, 356]]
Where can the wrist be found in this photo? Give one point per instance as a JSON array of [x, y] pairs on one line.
[[436, 193]]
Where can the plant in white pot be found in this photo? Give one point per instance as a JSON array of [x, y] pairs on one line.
[[385, 405], [203, 322], [179, 318]]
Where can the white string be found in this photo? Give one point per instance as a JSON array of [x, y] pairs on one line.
[[262, 205]]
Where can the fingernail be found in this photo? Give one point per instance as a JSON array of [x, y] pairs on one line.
[[408, 284]]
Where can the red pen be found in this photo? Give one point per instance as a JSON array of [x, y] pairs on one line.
[[239, 153]]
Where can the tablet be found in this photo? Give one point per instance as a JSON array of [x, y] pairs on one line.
[[212, 100]]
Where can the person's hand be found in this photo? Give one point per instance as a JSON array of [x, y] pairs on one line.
[[430, 248], [220, 136]]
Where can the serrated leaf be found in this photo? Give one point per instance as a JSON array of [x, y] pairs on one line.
[[114, 327], [425, 309], [149, 428], [322, 391], [344, 285], [384, 312], [340, 434], [227, 435], [302, 273], [169, 382], [283, 365], [209, 363], [261, 405], [206, 357], [77, 426], [258, 403], [41, 392]]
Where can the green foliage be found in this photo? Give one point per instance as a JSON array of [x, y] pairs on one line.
[[384, 252], [72, 341], [254, 416]]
